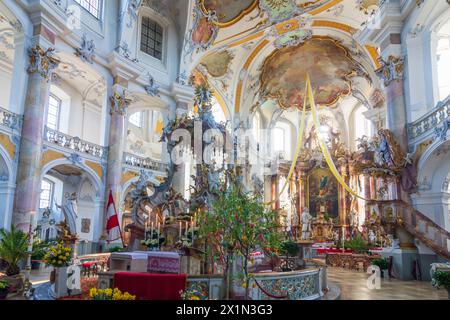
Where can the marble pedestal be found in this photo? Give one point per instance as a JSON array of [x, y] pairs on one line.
[[403, 262]]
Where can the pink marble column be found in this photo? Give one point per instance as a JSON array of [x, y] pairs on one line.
[[42, 64], [119, 104], [301, 187]]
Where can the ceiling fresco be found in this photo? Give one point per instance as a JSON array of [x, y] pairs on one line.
[[217, 64], [328, 63], [228, 11]]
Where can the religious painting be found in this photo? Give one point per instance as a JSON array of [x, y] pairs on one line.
[[279, 10], [328, 63], [323, 193], [228, 11], [85, 225], [217, 63], [203, 32]]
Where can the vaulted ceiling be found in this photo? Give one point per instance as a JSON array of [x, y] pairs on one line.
[[257, 52]]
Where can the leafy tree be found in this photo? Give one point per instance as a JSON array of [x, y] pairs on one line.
[[13, 248], [239, 224]]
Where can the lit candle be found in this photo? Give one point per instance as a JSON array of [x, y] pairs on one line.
[[151, 231]]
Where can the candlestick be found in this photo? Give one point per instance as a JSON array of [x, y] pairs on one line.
[[187, 228], [179, 223]]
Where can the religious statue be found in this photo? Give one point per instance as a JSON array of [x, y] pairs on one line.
[[69, 209], [258, 185], [372, 237], [306, 224], [295, 224]]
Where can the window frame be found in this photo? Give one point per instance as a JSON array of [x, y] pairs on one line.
[[99, 9], [163, 37], [51, 194], [58, 115]]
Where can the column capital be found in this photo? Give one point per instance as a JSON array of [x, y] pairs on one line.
[[119, 102], [391, 69], [42, 61]]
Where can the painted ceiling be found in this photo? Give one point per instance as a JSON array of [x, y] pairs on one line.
[[328, 63], [254, 51]]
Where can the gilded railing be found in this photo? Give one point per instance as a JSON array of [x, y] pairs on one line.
[[74, 143], [144, 163], [419, 225]]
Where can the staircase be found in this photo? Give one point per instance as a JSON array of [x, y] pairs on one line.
[[417, 224]]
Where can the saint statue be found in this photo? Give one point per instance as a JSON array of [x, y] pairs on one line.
[[69, 209], [306, 224]]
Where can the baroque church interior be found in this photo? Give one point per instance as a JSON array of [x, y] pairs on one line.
[[224, 149]]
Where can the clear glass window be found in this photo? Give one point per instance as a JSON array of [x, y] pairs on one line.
[[151, 38], [91, 6], [136, 119], [46, 197], [54, 106]]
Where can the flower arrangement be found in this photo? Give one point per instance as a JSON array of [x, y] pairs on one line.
[[441, 279], [150, 243], [58, 256], [193, 294], [110, 294]]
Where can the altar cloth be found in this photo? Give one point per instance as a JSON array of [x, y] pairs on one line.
[[160, 261], [148, 286]]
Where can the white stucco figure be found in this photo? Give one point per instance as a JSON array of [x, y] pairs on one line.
[[306, 224]]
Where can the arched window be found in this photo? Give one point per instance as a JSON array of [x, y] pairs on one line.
[[91, 6], [217, 112], [151, 38], [443, 61], [281, 140], [362, 126], [53, 111], [256, 127], [46, 197]]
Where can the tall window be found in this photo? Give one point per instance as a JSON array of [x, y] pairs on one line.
[[46, 198], [281, 140], [363, 126], [443, 66], [151, 38], [136, 119], [54, 106], [91, 6]]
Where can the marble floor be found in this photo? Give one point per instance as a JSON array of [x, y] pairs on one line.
[[353, 286]]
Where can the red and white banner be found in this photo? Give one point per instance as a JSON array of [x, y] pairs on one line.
[[112, 221]]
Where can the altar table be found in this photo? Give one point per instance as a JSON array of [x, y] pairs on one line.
[[148, 286], [161, 261]]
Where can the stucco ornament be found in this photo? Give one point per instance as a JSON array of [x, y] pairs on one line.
[[152, 88], [132, 9], [87, 50], [42, 62]]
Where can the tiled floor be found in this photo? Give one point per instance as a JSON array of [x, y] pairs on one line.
[[353, 286]]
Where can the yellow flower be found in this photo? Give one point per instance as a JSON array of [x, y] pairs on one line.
[[93, 292], [195, 298], [108, 292]]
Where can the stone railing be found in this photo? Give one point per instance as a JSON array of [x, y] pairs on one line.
[[144, 163], [74, 143], [10, 120], [430, 122]]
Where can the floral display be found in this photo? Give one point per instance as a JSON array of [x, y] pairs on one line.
[[110, 294], [58, 256]]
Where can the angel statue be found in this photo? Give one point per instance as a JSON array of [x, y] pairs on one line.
[[69, 209]]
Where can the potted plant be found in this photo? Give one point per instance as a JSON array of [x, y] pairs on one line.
[[38, 254], [59, 257], [290, 249], [441, 279], [13, 249], [4, 289], [381, 263]]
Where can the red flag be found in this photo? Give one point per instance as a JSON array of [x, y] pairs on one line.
[[112, 221]]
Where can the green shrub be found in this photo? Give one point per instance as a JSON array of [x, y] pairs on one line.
[[290, 248], [115, 249], [382, 263], [442, 279], [357, 244]]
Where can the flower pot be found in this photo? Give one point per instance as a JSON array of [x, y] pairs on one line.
[[4, 293], [35, 265], [61, 282]]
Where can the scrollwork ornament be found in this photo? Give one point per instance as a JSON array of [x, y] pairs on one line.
[[391, 70]]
